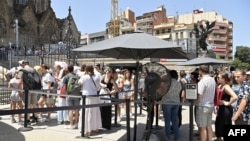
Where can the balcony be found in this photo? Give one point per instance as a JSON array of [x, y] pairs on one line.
[[219, 49], [163, 36], [163, 26], [145, 20], [221, 24], [217, 38], [126, 28], [144, 26], [219, 45], [220, 31]]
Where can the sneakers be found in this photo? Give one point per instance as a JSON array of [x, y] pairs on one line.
[[60, 122], [20, 122], [47, 119], [66, 122], [119, 119], [76, 126], [13, 121], [69, 127]]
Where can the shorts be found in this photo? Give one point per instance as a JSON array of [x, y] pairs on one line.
[[127, 94], [32, 99], [203, 116], [15, 96], [72, 101], [45, 95]]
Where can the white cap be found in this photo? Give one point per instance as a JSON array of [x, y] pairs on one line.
[[118, 70], [20, 62], [248, 73]]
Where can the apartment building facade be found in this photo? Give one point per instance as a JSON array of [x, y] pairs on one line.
[[179, 29], [221, 38]]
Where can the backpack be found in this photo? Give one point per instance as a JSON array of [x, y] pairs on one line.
[[31, 80], [72, 86]]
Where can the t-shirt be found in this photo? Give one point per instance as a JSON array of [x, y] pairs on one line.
[[46, 78]]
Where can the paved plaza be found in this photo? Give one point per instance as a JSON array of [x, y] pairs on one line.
[[51, 130]]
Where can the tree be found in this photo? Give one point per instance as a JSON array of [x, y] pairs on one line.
[[242, 57], [243, 53]]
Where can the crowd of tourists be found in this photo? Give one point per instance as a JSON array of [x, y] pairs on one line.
[[230, 88], [98, 86]]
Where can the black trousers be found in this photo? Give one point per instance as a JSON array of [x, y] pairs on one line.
[[180, 116], [106, 115]]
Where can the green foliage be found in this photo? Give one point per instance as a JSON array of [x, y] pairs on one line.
[[243, 53], [242, 57]]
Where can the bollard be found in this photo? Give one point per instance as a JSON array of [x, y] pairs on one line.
[[115, 120], [128, 119], [83, 115], [25, 128]]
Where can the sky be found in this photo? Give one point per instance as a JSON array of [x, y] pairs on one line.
[[92, 15]]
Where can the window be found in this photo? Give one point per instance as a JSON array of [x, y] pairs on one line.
[[181, 35], [190, 35], [176, 35], [169, 30], [157, 32]]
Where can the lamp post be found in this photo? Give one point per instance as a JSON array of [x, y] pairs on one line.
[[16, 30]]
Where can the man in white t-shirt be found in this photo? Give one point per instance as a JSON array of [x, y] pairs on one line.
[[205, 103]]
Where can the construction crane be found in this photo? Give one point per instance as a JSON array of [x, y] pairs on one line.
[[113, 24]]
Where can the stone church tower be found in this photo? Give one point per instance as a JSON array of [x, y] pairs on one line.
[[37, 24]]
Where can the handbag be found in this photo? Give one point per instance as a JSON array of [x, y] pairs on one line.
[[63, 91]]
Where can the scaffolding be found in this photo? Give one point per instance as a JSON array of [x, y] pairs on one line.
[[113, 25]]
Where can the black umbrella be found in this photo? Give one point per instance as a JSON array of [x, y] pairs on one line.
[[135, 46], [203, 61]]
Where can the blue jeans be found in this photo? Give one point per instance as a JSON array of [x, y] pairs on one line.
[[170, 113]]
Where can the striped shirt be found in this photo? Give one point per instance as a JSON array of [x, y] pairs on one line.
[[206, 88]]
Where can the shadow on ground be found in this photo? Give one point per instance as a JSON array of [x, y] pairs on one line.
[[7, 132]]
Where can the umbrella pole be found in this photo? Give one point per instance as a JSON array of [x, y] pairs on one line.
[[135, 97]]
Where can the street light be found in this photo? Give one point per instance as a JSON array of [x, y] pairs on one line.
[[16, 30]]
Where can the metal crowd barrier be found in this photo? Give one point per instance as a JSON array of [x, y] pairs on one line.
[[114, 101]]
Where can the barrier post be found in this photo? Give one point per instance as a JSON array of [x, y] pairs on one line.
[[25, 128], [141, 100], [156, 115], [128, 119], [83, 115], [191, 113], [115, 120]]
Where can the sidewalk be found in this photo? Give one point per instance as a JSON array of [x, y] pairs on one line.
[[46, 131]]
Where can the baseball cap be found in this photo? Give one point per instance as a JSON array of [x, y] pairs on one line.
[[118, 70], [20, 62], [248, 73]]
